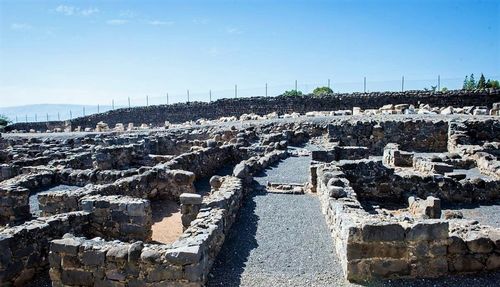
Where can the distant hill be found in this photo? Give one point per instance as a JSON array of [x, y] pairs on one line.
[[54, 111]]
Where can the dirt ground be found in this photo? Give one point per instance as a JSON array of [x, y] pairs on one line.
[[167, 225]]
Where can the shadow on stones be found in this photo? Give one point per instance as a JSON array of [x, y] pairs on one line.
[[163, 208], [233, 256], [202, 185]]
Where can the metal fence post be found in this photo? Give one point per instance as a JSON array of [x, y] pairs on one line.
[[26, 118], [364, 85], [70, 115], [235, 91], [167, 98], [58, 116], [98, 108], [128, 98], [147, 101], [266, 89], [328, 83], [210, 96], [112, 104], [439, 83], [188, 95], [403, 84], [36, 119], [47, 117], [295, 85], [83, 111]]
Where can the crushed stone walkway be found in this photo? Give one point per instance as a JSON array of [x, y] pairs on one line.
[[278, 239]]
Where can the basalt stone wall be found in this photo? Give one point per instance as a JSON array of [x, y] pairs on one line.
[[178, 113], [119, 217], [24, 249], [206, 161], [410, 134], [373, 180], [15, 192], [371, 245], [154, 183], [77, 261]]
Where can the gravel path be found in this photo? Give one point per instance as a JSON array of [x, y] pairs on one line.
[[278, 239], [283, 240], [482, 213]]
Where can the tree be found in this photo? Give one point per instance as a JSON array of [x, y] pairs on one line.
[[320, 91], [481, 84], [433, 88], [472, 82], [466, 83], [444, 89], [495, 84], [4, 121], [292, 93]]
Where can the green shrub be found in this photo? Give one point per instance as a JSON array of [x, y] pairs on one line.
[[4, 121], [319, 91], [492, 84], [292, 93]]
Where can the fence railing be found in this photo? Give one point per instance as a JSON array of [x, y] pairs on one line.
[[237, 91]]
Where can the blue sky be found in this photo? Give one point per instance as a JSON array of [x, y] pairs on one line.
[[88, 52]]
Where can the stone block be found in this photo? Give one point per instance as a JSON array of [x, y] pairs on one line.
[[457, 245], [383, 232], [428, 230], [478, 242], [467, 263], [184, 255], [493, 262], [93, 257], [190, 198], [65, 245], [376, 250], [77, 278]]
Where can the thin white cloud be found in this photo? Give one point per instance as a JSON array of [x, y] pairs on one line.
[[160, 23], [72, 10], [20, 26], [116, 22], [201, 21], [127, 14], [66, 10], [233, 31], [213, 51], [89, 11]]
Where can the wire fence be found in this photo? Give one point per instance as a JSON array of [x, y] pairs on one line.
[[236, 91]]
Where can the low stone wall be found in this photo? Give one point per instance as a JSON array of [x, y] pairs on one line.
[[15, 192], [178, 113], [8, 171], [373, 180], [25, 248], [473, 247], [410, 134], [76, 261], [206, 161], [81, 160], [117, 157], [372, 245], [82, 177], [119, 217], [63, 201], [247, 168], [340, 153], [155, 183]]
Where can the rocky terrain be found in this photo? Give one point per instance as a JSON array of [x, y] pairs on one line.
[[399, 195]]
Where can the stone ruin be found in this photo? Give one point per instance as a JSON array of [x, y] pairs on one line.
[[89, 209]]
